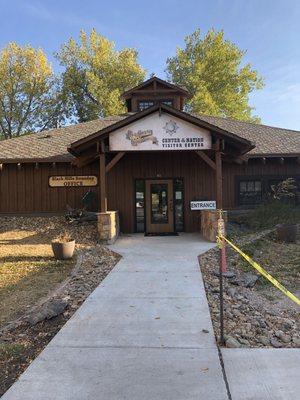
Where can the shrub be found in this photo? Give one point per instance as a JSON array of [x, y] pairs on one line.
[[273, 213]]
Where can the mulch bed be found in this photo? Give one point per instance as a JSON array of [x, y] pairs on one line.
[[255, 313]]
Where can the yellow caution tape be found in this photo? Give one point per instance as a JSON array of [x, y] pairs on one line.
[[261, 271]]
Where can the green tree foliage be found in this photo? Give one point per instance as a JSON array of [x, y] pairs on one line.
[[212, 69], [96, 75], [29, 99]]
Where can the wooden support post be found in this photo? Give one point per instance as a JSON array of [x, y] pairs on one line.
[[103, 195], [219, 180]]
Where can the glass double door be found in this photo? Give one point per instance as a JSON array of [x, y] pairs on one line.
[[159, 206]]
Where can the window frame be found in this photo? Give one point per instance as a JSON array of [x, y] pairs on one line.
[[154, 102], [266, 181], [145, 101], [248, 180]]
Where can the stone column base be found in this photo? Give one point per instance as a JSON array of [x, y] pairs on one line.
[[209, 223], [108, 226]]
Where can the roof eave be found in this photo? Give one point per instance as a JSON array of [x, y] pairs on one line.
[[244, 144]]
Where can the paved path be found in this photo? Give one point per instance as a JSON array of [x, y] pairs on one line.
[[263, 374], [139, 334]]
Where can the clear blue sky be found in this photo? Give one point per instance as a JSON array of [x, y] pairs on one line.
[[268, 29]]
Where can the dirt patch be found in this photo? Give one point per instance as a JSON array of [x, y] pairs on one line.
[[21, 341], [28, 270], [255, 313]]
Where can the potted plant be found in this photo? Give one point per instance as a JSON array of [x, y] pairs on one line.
[[63, 246]]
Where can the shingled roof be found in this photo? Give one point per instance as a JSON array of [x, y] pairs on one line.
[[51, 145], [269, 140]]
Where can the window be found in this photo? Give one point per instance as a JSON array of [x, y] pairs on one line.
[[167, 102], [140, 205], [145, 104], [178, 204], [250, 192], [159, 203]]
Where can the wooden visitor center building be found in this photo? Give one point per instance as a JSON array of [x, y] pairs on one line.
[[154, 167]]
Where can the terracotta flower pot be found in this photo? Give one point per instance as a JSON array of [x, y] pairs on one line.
[[287, 232], [63, 250]]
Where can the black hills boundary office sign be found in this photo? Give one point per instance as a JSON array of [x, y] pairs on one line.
[[73, 181]]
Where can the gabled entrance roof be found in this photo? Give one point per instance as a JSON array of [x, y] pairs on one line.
[[240, 144], [154, 81]]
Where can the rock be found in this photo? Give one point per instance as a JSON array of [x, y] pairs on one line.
[[275, 343], [283, 337], [228, 274], [262, 324], [264, 340], [247, 326], [245, 342], [232, 342], [296, 340], [47, 311], [231, 292], [287, 324], [205, 331], [236, 313], [235, 282], [250, 280]]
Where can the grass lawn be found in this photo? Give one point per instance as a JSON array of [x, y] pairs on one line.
[[28, 270]]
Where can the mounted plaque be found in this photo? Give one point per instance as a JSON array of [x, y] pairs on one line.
[[203, 205], [73, 181], [160, 133]]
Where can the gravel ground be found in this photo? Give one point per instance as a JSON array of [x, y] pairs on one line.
[[251, 319], [23, 339]]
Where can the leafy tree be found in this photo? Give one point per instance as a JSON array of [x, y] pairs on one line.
[[96, 74], [212, 70], [29, 100]]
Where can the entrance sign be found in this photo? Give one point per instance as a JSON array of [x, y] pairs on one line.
[[160, 132], [70, 180], [203, 205]]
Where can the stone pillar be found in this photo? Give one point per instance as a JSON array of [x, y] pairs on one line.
[[108, 226], [209, 224]]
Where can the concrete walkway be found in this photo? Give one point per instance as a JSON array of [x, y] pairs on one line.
[[139, 335], [263, 374]]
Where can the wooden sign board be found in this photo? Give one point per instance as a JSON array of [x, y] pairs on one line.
[[203, 205], [160, 132], [73, 181]]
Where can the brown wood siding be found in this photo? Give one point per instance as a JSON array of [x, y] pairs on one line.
[[26, 189], [255, 167], [198, 182]]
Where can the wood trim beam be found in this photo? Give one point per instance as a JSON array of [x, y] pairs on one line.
[[207, 159], [102, 175], [114, 161], [84, 160], [219, 179]]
